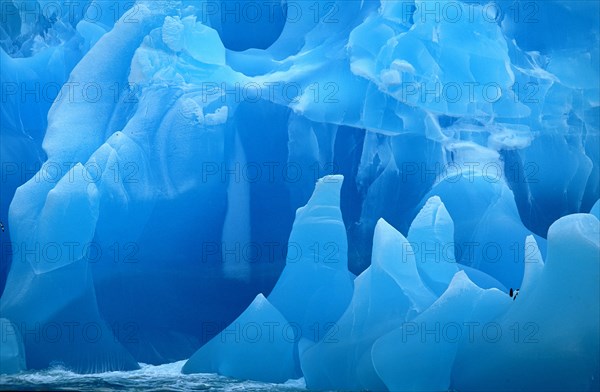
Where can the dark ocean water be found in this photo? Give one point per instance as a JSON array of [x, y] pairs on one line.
[[149, 378]]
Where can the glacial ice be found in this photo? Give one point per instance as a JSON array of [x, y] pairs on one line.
[[552, 347], [596, 209], [12, 353], [311, 294], [255, 346], [418, 356], [358, 172], [386, 294], [315, 286], [431, 237], [489, 235]]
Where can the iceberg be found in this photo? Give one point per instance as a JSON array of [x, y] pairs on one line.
[[258, 345], [431, 238], [315, 286], [312, 292], [434, 337], [490, 234], [549, 347], [596, 209], [12, 353], [386, 294], [363, 194]]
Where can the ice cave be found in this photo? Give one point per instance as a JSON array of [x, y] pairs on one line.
[[292, 195]]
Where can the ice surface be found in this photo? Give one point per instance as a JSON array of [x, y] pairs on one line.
[[258, 345], [386, 294], [156, 157], [420, 354], [489, 235], [48, 316], [12, 353], [534, 265], [431, 237], [310, 295], [596, 210], [552, 344], [315, 286]]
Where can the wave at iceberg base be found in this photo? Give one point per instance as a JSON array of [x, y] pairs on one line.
[[163, 209], [165, 377]]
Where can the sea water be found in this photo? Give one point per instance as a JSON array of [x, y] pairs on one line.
[[166, 377]]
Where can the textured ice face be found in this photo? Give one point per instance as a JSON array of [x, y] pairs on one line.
[[12, 353], [230, 355], [394, 354], [386, 294], [557, 341], [153, 198]]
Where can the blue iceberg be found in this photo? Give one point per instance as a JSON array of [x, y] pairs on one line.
[[364, 194]]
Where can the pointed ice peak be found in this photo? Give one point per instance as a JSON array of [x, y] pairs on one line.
[[388, 246], [260, 301], [393, 254], [327, 191], [433, 213]]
